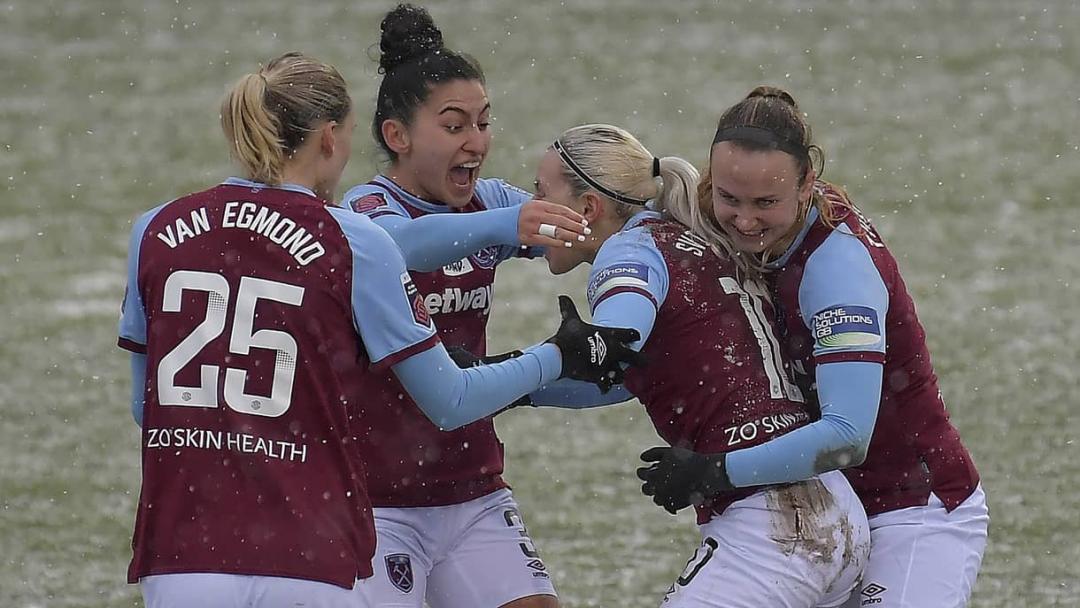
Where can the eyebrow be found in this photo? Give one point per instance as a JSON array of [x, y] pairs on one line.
[[461, 111], [767, 197]]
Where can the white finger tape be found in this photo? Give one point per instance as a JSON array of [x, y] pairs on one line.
[[546, 230]]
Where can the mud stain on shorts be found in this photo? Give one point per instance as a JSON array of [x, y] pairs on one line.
[[804, 518]]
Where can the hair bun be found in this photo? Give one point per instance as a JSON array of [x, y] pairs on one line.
[[408, 33], [767, 91]]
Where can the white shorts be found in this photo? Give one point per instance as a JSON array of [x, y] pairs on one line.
[[800, 545], [476, 553], [925, 557], [212, 590]]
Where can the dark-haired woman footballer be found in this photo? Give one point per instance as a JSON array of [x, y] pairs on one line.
[[851, 330], [449, 528]]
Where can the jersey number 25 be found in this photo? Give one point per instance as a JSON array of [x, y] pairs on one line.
[[241, 340]]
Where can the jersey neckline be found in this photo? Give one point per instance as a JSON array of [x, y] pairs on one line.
[[247, 183], [413, 200]]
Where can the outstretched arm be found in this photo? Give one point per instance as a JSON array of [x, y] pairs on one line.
[[849, 392], [452, 397], [627, 309], [432, 241]]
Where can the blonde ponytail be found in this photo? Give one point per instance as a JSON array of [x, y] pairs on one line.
[[252, 131], [267, 115], [678, 190]]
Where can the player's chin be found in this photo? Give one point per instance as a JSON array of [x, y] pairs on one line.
[[557, 265]]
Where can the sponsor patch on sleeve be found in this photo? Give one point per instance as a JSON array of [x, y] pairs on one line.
[[625, 275], [368, 202], [846, 326], [416, 301]]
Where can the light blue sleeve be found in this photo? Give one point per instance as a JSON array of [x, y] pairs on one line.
[[397, 333], [849, 392], [627, 285], [843, 298], [452, 397], [498, 194], [432, 241], [628, 262], [138, 386], [845, 301], [619, 310], [387, 308], [578, 395], [132, 328]]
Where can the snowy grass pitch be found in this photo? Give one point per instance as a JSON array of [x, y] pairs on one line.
[[953, 124]]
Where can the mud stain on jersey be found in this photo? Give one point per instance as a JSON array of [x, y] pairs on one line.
[[804, 519], [831, 460]]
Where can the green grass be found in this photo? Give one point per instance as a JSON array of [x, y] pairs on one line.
[[952, 123]]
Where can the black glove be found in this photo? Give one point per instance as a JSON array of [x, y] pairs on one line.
[[466, 359], [678, 477], [593, 353]]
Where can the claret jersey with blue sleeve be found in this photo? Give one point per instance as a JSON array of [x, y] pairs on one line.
[[843, 301], [412, 462], [715, 381], [247, 302]]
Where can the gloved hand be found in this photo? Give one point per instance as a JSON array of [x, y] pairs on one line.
[[594, 353], [466, 359], [679, 477]]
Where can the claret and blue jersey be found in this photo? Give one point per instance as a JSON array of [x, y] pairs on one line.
[[257, 317], [851, 331], [453, 255], [715, 380], [271, 282]]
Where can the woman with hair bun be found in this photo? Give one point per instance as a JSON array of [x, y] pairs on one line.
[[449, 529], [256, 315], [851, 331]]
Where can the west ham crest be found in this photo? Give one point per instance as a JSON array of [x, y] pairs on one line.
[[399, 569], [368, 203], [486, 258]]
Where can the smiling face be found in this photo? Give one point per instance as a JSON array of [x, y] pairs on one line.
[[755, 196], [446, 143]]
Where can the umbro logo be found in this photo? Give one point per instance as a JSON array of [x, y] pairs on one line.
[[597, 349], [536, 564], [871, 592]]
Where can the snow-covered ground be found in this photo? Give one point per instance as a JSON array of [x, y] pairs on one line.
[[953, 124]]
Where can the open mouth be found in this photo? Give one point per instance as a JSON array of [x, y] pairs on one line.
[[464, 175]]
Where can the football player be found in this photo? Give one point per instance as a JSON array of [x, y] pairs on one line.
[[851, 330], [714, 381]]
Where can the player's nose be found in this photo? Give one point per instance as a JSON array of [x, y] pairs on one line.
[[476, 141], [745, 221]]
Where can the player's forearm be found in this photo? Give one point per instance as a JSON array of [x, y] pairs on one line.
[[578, 395], [433, 241], [621, 310], [850, 393], [453, 397]]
